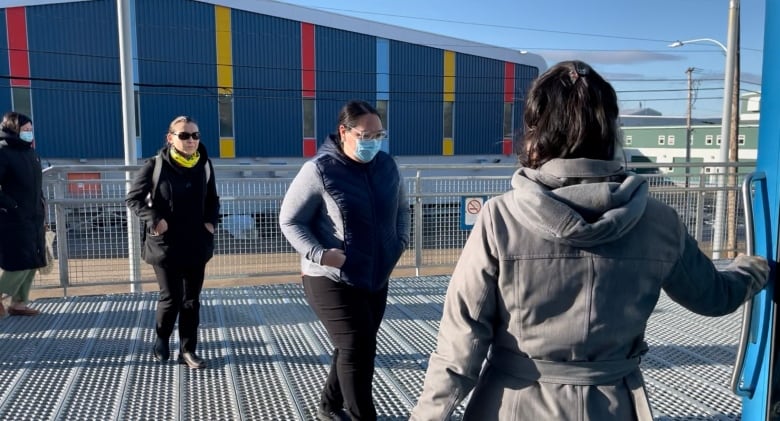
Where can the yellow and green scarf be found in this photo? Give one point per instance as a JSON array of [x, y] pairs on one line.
[[184, 161]]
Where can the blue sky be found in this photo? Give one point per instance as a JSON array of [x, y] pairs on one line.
[[624, 40]]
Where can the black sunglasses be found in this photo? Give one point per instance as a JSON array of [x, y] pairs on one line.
[[186, 135]]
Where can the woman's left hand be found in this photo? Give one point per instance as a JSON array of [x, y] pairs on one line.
[[209, 226]]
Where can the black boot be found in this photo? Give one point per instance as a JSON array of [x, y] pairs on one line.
[[192, 360], [325, 415], [161, 352]]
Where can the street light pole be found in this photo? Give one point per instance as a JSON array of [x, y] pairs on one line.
[[728, 92], [723, 152]]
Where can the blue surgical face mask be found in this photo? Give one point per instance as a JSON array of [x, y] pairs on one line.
[[26, 136], [366, 150]]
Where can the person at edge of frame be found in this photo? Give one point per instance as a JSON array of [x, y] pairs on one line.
[[545, 313], [22, 213]]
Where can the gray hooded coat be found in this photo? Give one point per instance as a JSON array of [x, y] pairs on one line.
[[553, 291]]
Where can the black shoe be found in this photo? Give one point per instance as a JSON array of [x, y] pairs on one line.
[[192, 360], [161, 352], [339, 415]]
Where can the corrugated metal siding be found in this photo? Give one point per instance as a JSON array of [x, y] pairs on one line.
[[524, 77], [177, 69], [267, 85], [416, 108], [79, 115], [346, 69], [5, 91], [479, 105]]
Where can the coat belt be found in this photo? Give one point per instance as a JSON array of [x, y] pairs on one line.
[[578, 373]]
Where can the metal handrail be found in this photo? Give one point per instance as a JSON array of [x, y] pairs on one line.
[[747, 311]]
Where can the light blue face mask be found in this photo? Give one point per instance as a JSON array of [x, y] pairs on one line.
[[26, 136], [366, 150]]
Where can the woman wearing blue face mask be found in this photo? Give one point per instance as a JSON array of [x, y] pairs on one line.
[[346, 213], [22, 211]]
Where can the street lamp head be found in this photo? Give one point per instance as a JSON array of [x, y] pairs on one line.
[[679, 43]]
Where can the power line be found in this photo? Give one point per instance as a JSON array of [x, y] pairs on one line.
[[521, 28]]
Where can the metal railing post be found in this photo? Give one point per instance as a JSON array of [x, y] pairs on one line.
[[60, 222], [700, 196], [418, 225]]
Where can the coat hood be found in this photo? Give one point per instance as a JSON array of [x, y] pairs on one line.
[[9, 138], [581, 202]]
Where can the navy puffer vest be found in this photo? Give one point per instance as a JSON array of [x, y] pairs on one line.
[[367, 196]]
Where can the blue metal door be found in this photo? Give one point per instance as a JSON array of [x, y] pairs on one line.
[[754, 376]]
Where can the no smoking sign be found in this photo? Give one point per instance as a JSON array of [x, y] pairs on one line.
[[470, 207]]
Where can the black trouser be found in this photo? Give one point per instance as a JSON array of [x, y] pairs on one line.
[[352, 317], [180, 288]]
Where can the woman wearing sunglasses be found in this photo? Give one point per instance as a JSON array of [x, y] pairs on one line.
[[175, 195], [346, 213]]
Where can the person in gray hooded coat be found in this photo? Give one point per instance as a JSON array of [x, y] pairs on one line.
[[559, 276]]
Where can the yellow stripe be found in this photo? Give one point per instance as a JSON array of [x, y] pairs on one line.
[[449, 76], [448, 147], [227, 147], [224, 49]]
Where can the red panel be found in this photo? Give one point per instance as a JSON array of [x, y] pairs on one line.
[[309, 147], [507, 147], [509, 81], [308, 66], [19, 60]]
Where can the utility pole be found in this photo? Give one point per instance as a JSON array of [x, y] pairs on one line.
[[688, 129], [731, 209]]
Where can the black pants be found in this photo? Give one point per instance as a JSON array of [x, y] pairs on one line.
[[180, 288], [352, 317]]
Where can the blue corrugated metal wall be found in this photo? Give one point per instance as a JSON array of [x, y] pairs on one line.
[[5, 82], [267, 81], [78, 115], [346, 69], [416, 86], [479, 105], [177, 69], [524, 77]]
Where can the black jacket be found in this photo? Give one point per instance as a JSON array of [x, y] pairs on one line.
[[22, 209], [186, 201]]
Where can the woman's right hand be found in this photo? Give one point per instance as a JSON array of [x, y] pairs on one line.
[[333, 257], [160, 228]]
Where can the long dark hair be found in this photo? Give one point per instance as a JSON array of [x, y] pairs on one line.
[[570, 112], [351, 112]]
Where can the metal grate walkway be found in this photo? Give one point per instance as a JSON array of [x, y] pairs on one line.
[[88, 358]]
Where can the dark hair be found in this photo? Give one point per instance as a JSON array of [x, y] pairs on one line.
[[13, 122], [351, 111], [570, 112]]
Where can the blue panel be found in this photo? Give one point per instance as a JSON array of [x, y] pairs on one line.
[[382, 69], [77, 108], [267, 80], [416, 96], [479, 105], [5, 91], [756, 405], [346, 69], [177, 69], [524, 77]]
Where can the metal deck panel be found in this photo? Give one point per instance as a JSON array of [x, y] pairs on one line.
[[89, 357]]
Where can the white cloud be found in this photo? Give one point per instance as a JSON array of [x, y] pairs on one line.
[[608, 57]]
